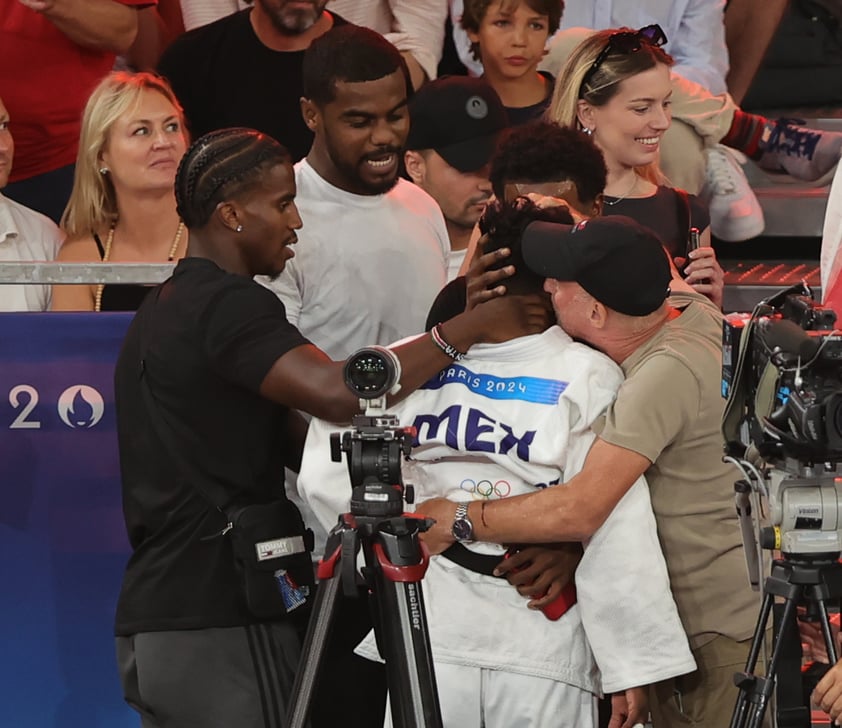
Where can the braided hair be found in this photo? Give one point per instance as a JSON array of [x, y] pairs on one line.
[[221, 165]]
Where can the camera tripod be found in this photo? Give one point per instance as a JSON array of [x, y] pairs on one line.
[[812, 581], [395, 562]]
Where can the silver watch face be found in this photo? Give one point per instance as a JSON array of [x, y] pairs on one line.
[[463, 529]]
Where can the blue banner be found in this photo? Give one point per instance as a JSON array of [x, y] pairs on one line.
[[63, 546], [527, 389]]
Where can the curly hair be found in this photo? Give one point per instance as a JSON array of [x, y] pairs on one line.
[[504, 223], [541, 151], [220, 166]]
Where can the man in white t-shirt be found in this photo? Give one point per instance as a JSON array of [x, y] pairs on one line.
[[371, 258], [24, 234], [373, 249], [508, 419]]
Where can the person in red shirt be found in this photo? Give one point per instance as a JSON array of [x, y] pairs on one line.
[[52, 55]]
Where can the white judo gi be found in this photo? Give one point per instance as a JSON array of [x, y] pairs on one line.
[[507, 419]]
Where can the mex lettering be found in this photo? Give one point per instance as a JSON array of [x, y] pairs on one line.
[[470, 429]]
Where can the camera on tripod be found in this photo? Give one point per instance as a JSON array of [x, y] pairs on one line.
[[783, 428], [782, 375], [394, 558], [377, 445]]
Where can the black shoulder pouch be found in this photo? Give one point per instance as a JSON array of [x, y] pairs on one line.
[[272, 550]]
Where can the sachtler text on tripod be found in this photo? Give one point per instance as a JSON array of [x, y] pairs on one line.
[[394, 558]]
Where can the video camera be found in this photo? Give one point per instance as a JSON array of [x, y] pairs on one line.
[[782, 377], [377, 444]]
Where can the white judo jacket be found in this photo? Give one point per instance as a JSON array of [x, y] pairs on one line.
[[507, 419]]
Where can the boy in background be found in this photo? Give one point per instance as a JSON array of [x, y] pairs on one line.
[[509, 38]]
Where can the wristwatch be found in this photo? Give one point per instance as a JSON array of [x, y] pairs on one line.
[[462, 528]]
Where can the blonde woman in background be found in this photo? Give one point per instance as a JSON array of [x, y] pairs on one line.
[[122, 208], [616, 87]]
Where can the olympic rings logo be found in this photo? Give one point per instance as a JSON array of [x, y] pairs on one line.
[[486, 489]]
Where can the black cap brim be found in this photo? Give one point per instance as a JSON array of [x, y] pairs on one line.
[[545, 254]]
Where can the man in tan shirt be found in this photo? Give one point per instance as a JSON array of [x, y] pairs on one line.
[[665, 423]]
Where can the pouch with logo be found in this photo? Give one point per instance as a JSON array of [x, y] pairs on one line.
[[272, 549]]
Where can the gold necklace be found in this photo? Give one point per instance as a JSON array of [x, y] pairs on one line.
[[107, 253], [622, 197]]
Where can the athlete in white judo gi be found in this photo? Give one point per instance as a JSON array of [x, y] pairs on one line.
[[505, 419]]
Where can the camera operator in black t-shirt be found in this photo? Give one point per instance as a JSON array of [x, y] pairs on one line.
[[205, 385]]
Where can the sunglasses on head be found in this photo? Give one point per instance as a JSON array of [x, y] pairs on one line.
[[627, 42]]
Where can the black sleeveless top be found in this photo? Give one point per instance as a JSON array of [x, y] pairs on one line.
[[666, 213], [120, 296]]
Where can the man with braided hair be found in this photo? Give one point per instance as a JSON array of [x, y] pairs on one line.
[[205, 385]]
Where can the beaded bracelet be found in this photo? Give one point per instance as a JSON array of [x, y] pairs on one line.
[[441, 342]]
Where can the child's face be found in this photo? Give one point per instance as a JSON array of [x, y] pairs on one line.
[[511, 39]]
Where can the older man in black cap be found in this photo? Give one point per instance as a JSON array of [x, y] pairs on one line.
[[455, 124], [608, 278]]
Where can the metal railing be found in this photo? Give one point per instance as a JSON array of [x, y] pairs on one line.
[[42, 272]]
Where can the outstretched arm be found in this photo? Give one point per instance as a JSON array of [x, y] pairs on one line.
[[306, 379], [570, 513]]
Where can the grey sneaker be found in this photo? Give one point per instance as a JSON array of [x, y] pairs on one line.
[[804, 153], [735, 213]]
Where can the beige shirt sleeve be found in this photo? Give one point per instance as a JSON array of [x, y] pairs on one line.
[[654, 405]]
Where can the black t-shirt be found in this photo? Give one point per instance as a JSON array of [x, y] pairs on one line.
[[519, 115], [224, 76], [665, 213], [204, 341]]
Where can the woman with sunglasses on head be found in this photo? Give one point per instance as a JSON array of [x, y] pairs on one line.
[[616, 87]]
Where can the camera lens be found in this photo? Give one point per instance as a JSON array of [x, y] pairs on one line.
[[369, 373]]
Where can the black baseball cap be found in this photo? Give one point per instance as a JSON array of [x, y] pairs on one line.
[[460, 118], [617, 260]]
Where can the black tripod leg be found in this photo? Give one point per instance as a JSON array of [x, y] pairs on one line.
[[403, 637], [791, 710], [827, 633], [766, 685], [746, 681], [318, 632]]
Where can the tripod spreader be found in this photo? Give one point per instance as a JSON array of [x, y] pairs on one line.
[[395, 562], [810, 581]]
